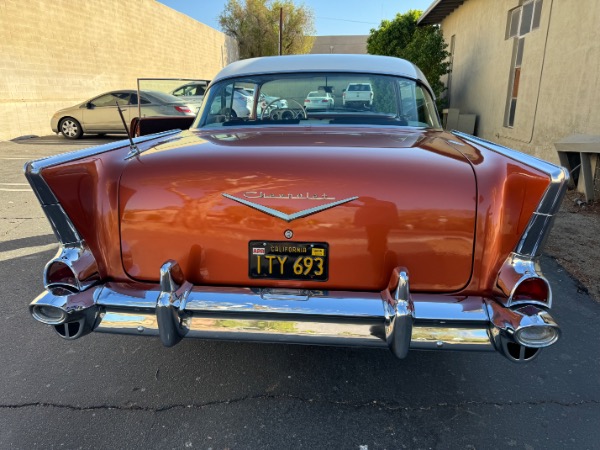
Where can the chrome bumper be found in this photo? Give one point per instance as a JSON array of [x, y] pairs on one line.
[[394, 318]]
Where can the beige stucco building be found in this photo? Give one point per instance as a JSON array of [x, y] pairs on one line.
[[529, 69], [54, 54], [340, 44]]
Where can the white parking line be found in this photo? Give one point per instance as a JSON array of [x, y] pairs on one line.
[[14, 189], [7, 157]]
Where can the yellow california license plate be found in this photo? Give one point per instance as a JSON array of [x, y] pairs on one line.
[[288, 260]]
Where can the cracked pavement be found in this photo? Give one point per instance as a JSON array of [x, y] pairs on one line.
[[109, 391]]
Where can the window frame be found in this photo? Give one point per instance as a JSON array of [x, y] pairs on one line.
[[534, 22]]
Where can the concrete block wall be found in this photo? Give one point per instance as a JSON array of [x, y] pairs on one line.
[[54, 54], [340, 44]]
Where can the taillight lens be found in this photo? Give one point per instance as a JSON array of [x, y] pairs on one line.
[[532, 289], [307, 101], [325, 101], [183, 109], [60, 273]]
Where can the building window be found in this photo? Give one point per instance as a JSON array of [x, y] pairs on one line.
[[523, 19], [450, 69], [514, 82]]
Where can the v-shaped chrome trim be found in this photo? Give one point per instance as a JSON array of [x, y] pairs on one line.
[[289, 217]]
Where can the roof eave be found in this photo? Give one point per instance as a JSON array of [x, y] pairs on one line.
[[438, 11]]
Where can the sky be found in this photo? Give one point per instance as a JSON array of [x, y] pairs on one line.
[[332, 17]]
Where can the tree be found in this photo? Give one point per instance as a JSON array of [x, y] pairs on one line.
[[423, 46], [255, 26]]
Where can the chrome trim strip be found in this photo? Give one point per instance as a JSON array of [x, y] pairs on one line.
[[59, 220], [288, 217], [36, 166], [555, 172], [537, 230]]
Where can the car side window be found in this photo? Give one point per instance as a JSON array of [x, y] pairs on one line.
[[199, 90], [134, 100], [107, 100]]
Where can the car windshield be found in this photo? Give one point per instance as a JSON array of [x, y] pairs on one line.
[[357, 99]]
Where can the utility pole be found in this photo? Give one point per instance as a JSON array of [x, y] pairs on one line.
[[280, 30]]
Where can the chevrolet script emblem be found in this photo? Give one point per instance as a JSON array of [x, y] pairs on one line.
[[289, 217]]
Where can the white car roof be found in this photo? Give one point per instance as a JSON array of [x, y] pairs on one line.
[[373, 64]]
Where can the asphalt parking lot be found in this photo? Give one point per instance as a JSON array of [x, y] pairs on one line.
[[109, 391]]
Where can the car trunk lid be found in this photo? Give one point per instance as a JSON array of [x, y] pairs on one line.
[[377, 200]]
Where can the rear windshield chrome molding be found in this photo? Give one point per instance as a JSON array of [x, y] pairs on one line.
[[540, 224], [62, 225]]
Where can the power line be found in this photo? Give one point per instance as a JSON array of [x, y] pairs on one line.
[[347, 20]]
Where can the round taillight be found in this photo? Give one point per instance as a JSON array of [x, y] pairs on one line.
[[532, 289], [60, 274]]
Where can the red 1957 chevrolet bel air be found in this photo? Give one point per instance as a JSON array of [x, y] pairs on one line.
[[357, 225]]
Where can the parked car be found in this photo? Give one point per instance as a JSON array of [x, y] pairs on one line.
[[192, 93], [267, 103], [99, 115], [369, 228], [319, 100], [239, 106], [195, 89], [358, 95]]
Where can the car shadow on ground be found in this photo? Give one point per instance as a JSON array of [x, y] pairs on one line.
[[352, 396], [91, 139], [35, 241]]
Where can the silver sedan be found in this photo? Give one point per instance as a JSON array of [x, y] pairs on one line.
[[99, 115]]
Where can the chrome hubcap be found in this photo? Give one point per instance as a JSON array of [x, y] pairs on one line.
[[69, 128]]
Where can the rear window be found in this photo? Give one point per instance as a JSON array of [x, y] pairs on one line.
[[359, 87], [392, 100]]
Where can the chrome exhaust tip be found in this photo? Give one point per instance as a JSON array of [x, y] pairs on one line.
[[519, 334], [48, 314], [72, 315], [537, 336]]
